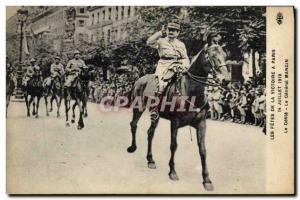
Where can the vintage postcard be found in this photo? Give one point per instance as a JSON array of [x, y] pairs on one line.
[[150, 100]]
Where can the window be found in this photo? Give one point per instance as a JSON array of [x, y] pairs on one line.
[[81, 10], [81, 23], [117, 13], [109, 13], [80, 36], [108, 35], [128, 11], [122, 12], [98, 17], [93, 16], [103, 14]]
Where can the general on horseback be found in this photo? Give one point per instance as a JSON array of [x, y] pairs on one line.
[[73, 87], [190, 83], [172, 53]]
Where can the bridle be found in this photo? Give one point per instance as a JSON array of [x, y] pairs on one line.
[[214, 69]]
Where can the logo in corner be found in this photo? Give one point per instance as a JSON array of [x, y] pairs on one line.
[[279, 18]]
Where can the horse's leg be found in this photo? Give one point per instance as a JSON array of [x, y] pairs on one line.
[[151, 131], [201, 128], [7, 102], [51, 103], [27, 105], [80, 124], [67, 108], [85, 108], [46, 103], [174, 129], [37, 106], [133, 124], [58, 105], [73, 111], [33, 106]]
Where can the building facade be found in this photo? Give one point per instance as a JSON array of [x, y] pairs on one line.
[[109, 23]]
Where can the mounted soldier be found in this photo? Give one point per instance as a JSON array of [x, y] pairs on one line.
[[56, 71], [172, 53], [73, 69], [33, 71]]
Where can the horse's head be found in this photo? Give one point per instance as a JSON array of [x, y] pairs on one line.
[[210, 60], [217, 59]]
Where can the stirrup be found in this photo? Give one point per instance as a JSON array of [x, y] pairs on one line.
[[154, 115]]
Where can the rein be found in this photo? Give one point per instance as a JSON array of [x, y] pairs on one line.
[[202, 79]]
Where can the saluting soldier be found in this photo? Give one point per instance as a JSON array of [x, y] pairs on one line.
[[171, 51]]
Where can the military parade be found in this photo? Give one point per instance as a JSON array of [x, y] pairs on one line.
[[172, 64]]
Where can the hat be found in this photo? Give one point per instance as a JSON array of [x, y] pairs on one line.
[[32, 60], [174, 25], [76, 52]]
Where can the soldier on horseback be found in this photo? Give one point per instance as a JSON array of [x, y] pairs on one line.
[[172, 53], [33, 72], [57, 71], [73, 69]]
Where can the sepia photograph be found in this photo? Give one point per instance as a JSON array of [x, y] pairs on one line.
[[176, 100]]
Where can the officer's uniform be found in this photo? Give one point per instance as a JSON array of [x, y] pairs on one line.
[[55, 70], [73, 69], [31, 72], [169, 52]]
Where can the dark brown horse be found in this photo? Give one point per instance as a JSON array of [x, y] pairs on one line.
[[191, 84], [55, 92], [33, 92], [76, 93]]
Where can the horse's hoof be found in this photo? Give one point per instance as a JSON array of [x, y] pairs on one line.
[[151, 165], [47, 114], [28, 115], [36, 116], [73, 121], [208, 186], [79, 127], [50, 110], [173, 176], [58, 115], [68, 124], [131, 149]]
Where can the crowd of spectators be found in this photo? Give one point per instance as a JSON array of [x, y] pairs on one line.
[[240, 103]]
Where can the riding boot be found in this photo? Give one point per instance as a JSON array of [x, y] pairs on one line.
[[154, 110]]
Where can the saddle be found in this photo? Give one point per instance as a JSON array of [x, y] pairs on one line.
[[173, 75]]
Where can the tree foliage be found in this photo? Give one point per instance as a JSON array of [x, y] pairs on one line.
[[241, 29]]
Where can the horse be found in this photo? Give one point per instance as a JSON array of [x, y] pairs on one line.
[[211, 59], [55, 91], [84, 77], [10, 86], [34, 89], [76, 93]]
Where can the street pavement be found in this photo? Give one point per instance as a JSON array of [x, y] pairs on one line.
[[45, 156]]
